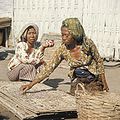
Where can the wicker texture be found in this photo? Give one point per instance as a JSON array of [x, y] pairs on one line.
[[97, 106]]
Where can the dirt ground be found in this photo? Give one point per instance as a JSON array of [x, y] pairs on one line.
[[59, 80]]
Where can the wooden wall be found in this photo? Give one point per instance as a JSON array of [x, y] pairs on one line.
[[6, 8], [100, 19]]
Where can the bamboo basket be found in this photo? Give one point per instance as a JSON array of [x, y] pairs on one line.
[[97, 105]]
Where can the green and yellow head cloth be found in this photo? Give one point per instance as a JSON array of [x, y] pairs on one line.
[[75, 27]]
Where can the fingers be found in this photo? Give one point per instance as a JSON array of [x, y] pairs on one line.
[[106, 89], [24, 91], [24, 88], [48, 43]]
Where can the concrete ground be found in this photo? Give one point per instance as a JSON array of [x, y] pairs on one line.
[[59, 80]]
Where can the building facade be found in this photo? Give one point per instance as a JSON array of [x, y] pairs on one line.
[[100, 19]]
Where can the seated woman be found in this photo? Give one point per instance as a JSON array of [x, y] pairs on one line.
[[86, 65], [28, 59]]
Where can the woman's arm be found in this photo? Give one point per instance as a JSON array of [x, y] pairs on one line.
[[102, 77], [99, 63], [46, 71], [40, 51]]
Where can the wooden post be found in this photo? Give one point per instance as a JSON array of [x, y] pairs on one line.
[[6, 37]]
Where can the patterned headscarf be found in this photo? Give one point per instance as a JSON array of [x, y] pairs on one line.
[[75, 27], [23, 33]]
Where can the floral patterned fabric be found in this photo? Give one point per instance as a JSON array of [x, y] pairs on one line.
[[21, 56], [90, 59]]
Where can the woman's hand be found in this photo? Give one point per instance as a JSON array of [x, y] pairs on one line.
[[48, 43], [105, 85], [24, 88], [106, 89]]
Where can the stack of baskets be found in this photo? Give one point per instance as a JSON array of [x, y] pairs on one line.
[[97, 105]]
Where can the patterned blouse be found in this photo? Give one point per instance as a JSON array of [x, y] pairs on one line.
[[22, 56], [90, 59]]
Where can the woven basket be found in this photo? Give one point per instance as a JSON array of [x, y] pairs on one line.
[[97, 105]]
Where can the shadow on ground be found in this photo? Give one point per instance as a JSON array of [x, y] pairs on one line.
[[4, 118], [53, 82]]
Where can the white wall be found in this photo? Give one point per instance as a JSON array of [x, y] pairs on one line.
[[6, 8], [100, 19], [47, 14]]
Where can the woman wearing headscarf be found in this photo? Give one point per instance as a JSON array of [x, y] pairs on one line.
[[27, 59], [86, 65]]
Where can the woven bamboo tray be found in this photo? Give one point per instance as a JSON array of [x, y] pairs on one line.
[[40, 100], [97, 105]]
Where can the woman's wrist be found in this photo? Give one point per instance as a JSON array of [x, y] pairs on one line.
[[102, 77], [42, 48], [33, 83]]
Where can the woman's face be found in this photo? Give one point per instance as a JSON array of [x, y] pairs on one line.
[[31, 35], [66, 36]]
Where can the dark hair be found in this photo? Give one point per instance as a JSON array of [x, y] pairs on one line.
[[79, 39], [23, 38]]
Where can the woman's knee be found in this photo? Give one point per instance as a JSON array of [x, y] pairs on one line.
[[12, 76], [28, 67]]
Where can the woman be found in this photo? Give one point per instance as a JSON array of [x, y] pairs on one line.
[[86, 65], [27, 59]]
